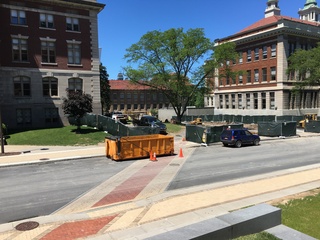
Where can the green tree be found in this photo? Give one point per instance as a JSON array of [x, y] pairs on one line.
[[304, 67], [104, 89], [169, 63], [76, 105], [224, 55]]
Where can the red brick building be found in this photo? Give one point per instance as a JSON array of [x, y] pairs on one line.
[[47, 48], [264, 48], [133, 98]]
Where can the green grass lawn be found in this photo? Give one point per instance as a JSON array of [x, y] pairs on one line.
[[66, 136]]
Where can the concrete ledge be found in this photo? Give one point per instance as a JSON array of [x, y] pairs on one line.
[[232, 225], [285, 233]]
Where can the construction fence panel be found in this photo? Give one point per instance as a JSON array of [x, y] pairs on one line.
[[312, 126], [276, 129], [194, 133]]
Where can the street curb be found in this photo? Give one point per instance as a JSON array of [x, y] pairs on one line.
[[40, 162]]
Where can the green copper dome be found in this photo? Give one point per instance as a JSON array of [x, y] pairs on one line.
[[310, 3]]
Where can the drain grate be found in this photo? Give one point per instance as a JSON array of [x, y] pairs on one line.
[[26, 226], [43, 159]]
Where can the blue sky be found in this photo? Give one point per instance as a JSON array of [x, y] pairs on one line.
[[123, 22]]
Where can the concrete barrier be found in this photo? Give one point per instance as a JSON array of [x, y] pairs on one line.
[[232, 225]]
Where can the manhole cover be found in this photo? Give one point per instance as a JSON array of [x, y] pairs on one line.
[[174, 164], [26, 226], [43, 159], [44, 149]]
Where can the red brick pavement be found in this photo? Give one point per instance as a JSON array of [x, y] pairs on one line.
[[80, 229], [130, 188]]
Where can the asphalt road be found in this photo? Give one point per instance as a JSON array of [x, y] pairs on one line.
[[216, 163], [35, 190]]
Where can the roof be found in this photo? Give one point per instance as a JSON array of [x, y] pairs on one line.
[[126, 85], [274, 20], [267, 23]]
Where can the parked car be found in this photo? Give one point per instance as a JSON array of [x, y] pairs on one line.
[[150, 121], [119, 116], [238, 137]]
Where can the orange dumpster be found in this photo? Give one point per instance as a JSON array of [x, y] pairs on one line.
[[131, 147]]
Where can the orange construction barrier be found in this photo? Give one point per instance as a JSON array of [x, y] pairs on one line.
[[180, 153]]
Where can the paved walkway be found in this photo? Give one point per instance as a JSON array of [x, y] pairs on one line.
[[133, 204]]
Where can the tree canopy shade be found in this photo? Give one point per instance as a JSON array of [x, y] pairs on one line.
[[172, 62], [76, 105], [304, 67]]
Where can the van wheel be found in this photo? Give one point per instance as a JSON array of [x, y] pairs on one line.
[[225, 144], [256, 142], [238, 144]]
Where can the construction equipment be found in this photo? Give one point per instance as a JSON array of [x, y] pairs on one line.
[[197, 121], [306, 118]]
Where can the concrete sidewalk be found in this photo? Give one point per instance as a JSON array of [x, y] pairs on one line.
[[129, 206]]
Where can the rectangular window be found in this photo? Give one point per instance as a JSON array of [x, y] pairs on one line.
[[19, 50], [240, 101], [249, 76], [255, 100], [264, 74], [48, 52], [74, 53], [18, 17], [141, 96], [46, 20], [292, 47], [50, 86], [240, 57], [240, 79], [233, 100], [265, 52], [72, 24], [122, 95], [22, 86], [273, 50], [263, 101], [51, 115], [248, 103], [256, 75], [233, 80], [23, 116], [75, 84], [249, 56], [256, 54], [272, 100], [221, 101], [273, 73], [128, 95], [135, 106], [227, 101]]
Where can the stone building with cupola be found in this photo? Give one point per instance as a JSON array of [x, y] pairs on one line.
[[265, 87]]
